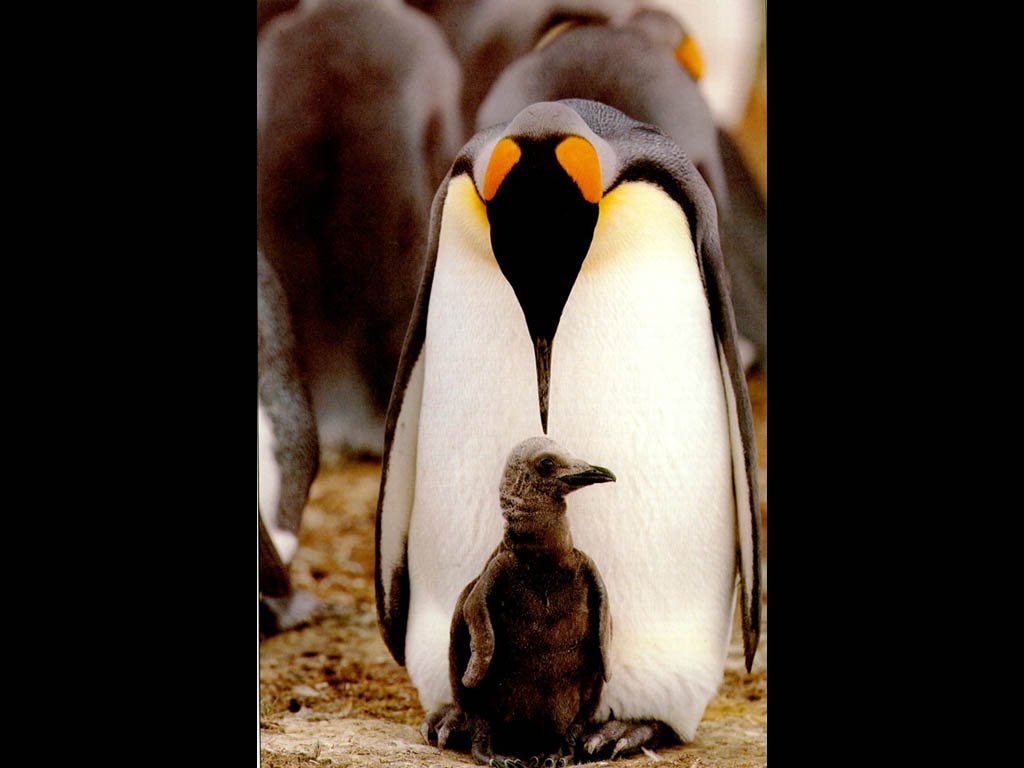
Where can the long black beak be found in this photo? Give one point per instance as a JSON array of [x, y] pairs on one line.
[[541, 230], [542, 349], [589, 477]]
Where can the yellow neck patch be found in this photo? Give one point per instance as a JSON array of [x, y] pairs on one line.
[[505, 155], [554, 32], [579, 159], [688, 55]]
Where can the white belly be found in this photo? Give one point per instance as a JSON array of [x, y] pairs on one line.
[[269, 487], [636, 387]]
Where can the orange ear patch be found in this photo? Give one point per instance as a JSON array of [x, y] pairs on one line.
[[579, 159], [688, 54], [505, 155]]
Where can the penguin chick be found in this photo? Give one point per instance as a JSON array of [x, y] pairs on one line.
[[529, 637]]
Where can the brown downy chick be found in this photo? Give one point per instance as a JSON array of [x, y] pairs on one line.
[[530, 635]]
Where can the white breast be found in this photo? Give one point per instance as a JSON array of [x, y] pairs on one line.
[[269, 487], [635, 387]]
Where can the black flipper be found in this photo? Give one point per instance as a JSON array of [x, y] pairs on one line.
[[745, 244]]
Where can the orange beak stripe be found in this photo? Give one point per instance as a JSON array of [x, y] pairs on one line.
[[505, 155], [688, 54], [579, 159]]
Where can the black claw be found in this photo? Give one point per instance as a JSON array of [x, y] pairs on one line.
[[441, 725], [626, 737]]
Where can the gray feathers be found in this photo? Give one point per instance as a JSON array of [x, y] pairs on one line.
[[284, 399], [357, 120], [633, 68], [290, 437], [488, 35]]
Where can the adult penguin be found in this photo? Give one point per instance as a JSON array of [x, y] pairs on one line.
[[357, 122], [288, 457], [651, 69], [574, 282], [488, 35]]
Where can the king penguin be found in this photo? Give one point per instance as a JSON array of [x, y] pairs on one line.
[[357, 122], [288, 457], [268, 9], [488, 35], [574, 283], [652, 69]]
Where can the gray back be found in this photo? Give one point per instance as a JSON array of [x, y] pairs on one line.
[[357, 121]]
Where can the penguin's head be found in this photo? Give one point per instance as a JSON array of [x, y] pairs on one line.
[[541, 181], [539, 472], [664, 30]]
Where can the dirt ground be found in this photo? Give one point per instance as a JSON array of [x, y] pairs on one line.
[[331, 696]]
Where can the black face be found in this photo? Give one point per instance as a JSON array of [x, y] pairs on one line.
[[541, 229]]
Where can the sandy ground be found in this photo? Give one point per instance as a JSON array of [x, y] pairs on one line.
[[331, 696]]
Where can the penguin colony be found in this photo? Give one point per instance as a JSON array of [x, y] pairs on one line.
[[581, 273]]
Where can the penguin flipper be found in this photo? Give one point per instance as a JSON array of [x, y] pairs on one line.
[[478, 620], [745, 244], [394, 510], [458, 645], [741, 425], [398, 468], [748, 510], [289, 455], [600, 612]]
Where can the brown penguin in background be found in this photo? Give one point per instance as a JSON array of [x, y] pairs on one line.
[[268, 9], [529, 637], [356, 123], [489, 35]]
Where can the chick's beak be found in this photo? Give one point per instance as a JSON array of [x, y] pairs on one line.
[[589, 476]]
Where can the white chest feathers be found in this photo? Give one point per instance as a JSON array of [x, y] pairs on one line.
[[635, 387]]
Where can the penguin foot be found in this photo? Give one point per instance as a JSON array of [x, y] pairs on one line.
[[484, 754], [555, 761], [500, 761], [444, 722], [625, 736], [279, 614]]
